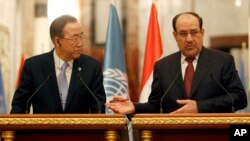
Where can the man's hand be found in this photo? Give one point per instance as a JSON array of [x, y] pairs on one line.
[[189, 106], [121, 105]]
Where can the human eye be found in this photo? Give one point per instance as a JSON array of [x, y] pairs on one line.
[[75, 38], [194, 32], [182, 34], [83, 36]]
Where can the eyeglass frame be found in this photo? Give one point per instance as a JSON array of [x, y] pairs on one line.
[[75, 38], [193, 33]]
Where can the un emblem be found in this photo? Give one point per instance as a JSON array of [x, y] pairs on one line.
[[115, 84]]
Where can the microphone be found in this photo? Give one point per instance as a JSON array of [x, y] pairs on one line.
[[30, 98], [161, 110], [223, 88], [84, 84]]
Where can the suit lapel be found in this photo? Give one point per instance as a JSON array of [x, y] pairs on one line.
[[203, 65], [176, 68], [73, 84]]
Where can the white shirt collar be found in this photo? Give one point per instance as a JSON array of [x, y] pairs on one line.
[[184, 57], [59, 62]]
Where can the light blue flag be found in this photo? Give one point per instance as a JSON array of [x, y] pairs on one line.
[[243, 80], [2, 98], [242, 72], [115, 77]]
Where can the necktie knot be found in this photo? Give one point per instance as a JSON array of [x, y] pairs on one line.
[[189, 60], [64, 66]]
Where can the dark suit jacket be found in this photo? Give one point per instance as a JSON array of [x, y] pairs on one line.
[[210, 97], [47, 100]]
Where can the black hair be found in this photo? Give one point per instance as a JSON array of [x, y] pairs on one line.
[[56, 27], [191, 13]]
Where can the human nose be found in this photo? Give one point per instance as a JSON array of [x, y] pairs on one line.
[[189, 37], [79, 42]]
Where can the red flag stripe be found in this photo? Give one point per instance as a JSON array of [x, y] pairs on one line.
[[20, 70], [153, 50]]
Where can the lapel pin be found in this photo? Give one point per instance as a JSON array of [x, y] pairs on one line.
[[79, 68]]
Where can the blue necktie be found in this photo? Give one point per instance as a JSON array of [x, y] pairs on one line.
[[63, 84]]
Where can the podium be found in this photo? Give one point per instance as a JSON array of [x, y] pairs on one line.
[[62, 127], [101, 127], [187, 127]]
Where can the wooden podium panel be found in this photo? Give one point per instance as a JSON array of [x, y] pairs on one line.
[[98, 127], [64, 127], [60, 135], [187, 127]]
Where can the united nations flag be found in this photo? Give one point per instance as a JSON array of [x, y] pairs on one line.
[[115, 77]]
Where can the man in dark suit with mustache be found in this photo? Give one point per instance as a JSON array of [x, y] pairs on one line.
[[196, 74]]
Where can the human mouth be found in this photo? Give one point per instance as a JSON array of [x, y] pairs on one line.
[[78, 51], [189, 47]]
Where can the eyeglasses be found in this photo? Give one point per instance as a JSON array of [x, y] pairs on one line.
[[193, 33], [76, 38]]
